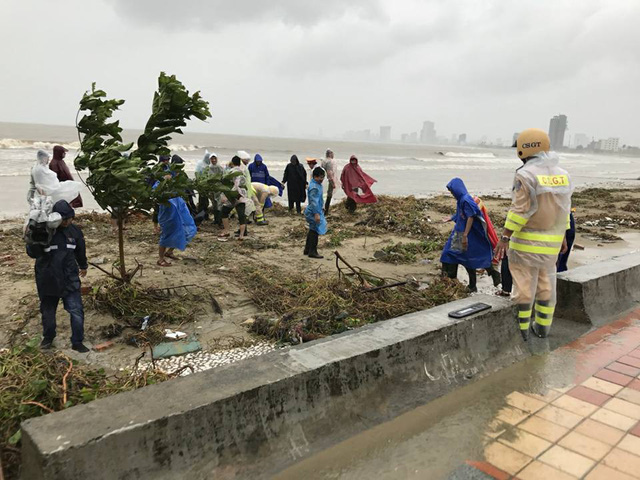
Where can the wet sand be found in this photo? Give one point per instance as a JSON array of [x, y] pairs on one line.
[[217, 266]]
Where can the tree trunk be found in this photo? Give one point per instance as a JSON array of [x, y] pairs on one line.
[[121, 266]]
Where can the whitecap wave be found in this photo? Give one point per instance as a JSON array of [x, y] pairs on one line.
[[15, 144], [176, 147], [467, 155]]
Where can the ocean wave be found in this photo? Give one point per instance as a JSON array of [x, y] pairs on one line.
[[176, 147], [435, 167], [467, 155], [14, 144]]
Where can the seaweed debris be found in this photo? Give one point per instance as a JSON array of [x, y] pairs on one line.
[[408, 252], [129, 304], [34, 383], [309, 309]]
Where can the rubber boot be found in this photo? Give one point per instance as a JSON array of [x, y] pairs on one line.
[[524, 320], [543, 318], [306, 246], [260, 220], [313, 246], [327, 205]]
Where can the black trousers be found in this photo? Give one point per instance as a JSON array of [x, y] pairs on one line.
[[311, 247], [451, 270], [507, 279], [203, 204], [297, 203]]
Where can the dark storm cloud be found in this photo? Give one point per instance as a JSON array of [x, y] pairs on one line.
[[221, 13]]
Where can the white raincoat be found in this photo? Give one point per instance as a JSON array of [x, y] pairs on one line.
[[46, 181]]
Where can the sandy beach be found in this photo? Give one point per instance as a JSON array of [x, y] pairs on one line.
[[608, 224]]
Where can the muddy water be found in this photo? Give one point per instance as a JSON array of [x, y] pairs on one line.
[[432, 440]]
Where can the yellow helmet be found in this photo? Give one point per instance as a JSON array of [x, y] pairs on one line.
[[532, 141]]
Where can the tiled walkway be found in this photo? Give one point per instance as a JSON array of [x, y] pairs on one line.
[[589, 430]]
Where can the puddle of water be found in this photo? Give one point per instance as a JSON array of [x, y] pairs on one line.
[[432, 440], [593, 253]]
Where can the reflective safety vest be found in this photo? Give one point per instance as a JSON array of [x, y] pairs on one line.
[[539, 215]]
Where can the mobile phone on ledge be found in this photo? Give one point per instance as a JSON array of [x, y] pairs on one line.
[[470, 310]]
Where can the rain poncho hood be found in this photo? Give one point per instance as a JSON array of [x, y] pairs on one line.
[[478, 253], [203, 165], [216, 168], [459, 190], [59, 152], [260, 174], [315, 206], [42, 158], [329, 166], [64, 209], [353, 178], [259, 171]]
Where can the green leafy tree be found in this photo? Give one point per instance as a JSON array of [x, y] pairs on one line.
[[123, 183], [212, 183]]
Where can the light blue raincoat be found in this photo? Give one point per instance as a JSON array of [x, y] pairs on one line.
[[314, 194]]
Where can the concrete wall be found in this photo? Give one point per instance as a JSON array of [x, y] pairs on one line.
[[255, 417], [596, 293]]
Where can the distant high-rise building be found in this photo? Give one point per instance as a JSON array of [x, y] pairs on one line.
[[413, 137], [609, 145], [358, 135], [404, 137], [428, 132], [557, 128], [462, 138], [580, 140], [385, 134]]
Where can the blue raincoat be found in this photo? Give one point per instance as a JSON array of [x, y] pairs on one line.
[[478, 253], [178, 227], [314, 193], [260, 173]]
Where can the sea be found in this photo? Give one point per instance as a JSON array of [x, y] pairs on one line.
[[399, 168]]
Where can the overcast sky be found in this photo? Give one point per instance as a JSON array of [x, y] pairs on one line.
[[297, 66]]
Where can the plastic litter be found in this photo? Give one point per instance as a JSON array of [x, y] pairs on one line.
[[168, 333]]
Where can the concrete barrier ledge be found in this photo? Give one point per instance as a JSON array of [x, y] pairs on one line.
[[598, 292], [255, 417]]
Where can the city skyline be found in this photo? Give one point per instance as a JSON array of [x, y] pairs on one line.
[[558, 134]]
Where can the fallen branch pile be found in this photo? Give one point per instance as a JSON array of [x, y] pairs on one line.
[[34, 383], [309, 309]]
